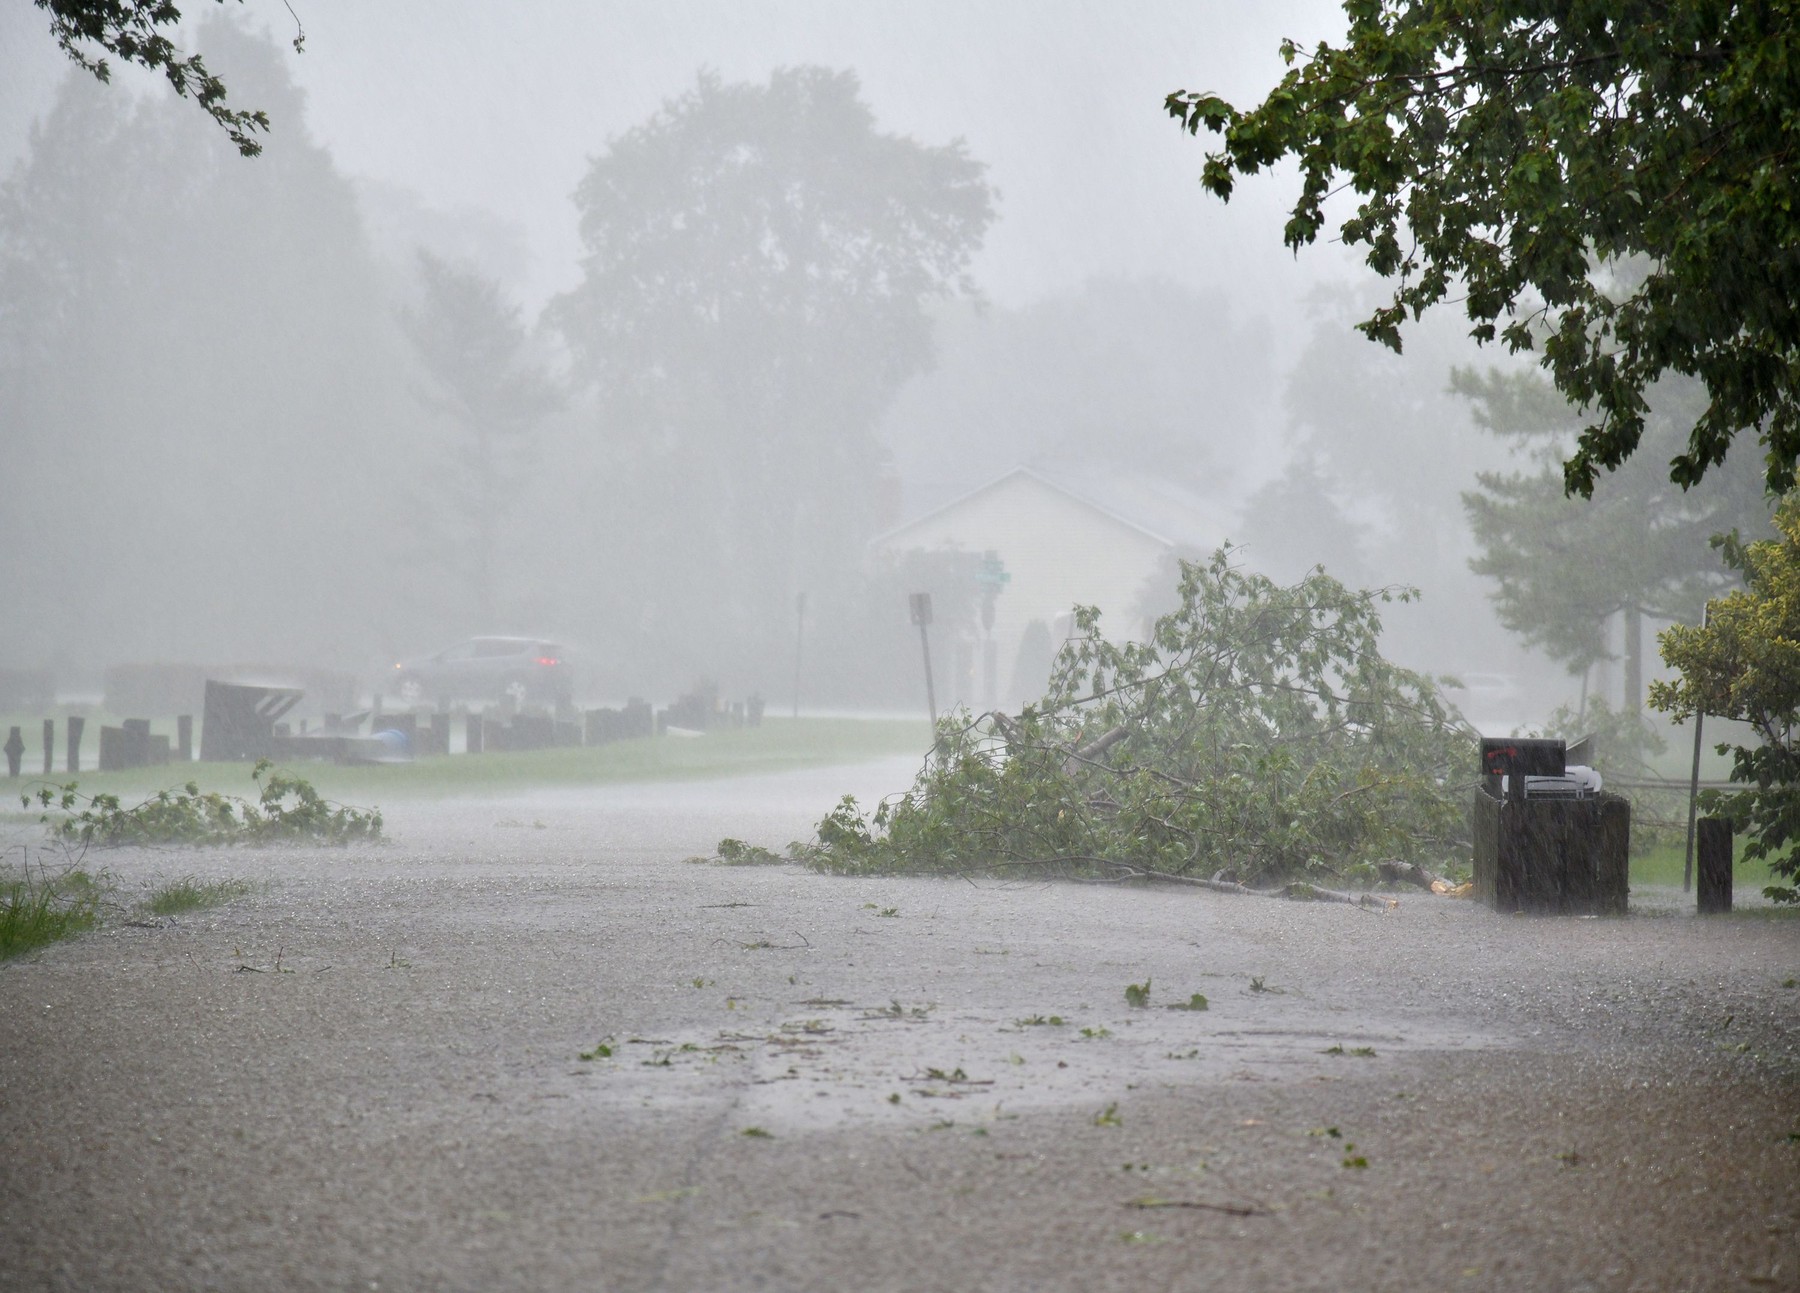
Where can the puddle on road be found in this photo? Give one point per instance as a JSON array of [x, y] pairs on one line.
[[828, 1064]]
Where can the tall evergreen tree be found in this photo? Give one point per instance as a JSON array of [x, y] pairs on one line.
[[1565, 569]]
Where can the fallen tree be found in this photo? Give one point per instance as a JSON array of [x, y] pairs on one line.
[[1257, 741]]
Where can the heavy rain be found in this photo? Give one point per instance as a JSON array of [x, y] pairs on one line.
[[788, 644]]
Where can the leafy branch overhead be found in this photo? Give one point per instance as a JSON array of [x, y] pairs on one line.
[[1617, 182], [1257, 735], [134, 31]]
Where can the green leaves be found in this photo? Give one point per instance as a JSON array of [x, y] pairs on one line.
[[133, 30], [287, 810], [1258, 730], [1744, 664], [1529, 160]]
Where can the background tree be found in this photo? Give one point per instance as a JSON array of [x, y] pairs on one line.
[[137, 32], [1615, 179], [1565, 569], [1744, 664], [195, 360], [488, 397], [758, 263]]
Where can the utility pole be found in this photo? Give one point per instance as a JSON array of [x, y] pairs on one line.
[[921, 615], [1687, 868]]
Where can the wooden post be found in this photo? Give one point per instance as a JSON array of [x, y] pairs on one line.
[[1713, 893], [472, 733], [184, 737], [440, 732], [74, 725], [15, 750], [49, 743]]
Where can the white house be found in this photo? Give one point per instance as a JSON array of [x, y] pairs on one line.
[[1085, 535]]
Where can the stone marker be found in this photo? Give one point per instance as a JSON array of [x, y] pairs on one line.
[[74, 725], [184, 738], [15, 750], [49, 743]]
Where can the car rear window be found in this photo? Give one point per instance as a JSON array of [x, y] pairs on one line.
[[500, 646]]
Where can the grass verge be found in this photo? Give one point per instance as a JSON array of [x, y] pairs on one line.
[[191, 894], [778, 745], [1664, 865], [42, 909]]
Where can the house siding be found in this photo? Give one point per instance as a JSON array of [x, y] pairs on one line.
[[1059, 550]]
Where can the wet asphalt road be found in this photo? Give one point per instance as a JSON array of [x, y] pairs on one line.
[[527, 1046]]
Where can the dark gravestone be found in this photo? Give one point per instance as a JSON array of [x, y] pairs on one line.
[[119, 749], [49, 743], [472, 734], [15, 750], [130, 745], [1712, 841], [73, 729], [238, 723], [440, 733], [531, 732], [640, 718], [184, 738]]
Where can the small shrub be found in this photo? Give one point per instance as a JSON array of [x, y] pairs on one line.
[[287, 810]]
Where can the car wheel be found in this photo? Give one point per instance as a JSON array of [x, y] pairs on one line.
[[410, 689], [516, 690]]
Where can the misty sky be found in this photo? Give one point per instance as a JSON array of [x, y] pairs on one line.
[[477, 108], [466, 128]]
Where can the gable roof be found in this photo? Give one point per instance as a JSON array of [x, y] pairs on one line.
[[1158, 508]]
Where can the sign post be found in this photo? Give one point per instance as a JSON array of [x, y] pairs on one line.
[[920, 604]]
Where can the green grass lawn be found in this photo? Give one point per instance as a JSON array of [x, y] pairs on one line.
[[1664, 863], [778, 744]]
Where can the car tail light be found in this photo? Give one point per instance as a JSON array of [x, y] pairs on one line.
[[548, 660]]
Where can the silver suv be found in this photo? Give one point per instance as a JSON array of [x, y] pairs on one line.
[[524, 670]]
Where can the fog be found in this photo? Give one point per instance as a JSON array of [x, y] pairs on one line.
[[428, 369]]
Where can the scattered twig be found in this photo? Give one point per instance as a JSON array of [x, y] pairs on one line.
[[1229, 1209]]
